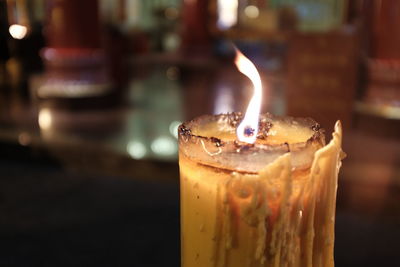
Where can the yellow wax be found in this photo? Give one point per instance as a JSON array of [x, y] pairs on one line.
[[276, 217]]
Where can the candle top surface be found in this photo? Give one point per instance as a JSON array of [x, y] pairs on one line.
[[273, 130], [211, 139]]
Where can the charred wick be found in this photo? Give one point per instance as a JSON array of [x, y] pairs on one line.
[[316, 127], [183, 130], [248, 131], [216, 141]]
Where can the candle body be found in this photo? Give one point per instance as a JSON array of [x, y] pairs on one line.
[[277, 216]]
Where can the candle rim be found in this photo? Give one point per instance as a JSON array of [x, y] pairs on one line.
[[318, 133]]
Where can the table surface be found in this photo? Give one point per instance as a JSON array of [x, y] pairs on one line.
[[74, 190]]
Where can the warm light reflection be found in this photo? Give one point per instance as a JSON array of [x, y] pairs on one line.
[[224, 100], [45, 119], [18, 31], [136, 149], [24, 139], [227, 13], [251, 11], [173, 128], [248, 128], [164, 146]]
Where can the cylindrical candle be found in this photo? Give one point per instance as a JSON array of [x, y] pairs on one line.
[[271, 203]]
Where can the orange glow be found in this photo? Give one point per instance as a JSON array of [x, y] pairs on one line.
[[45, 119], [248, 128]]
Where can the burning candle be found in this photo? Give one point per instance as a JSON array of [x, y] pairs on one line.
[[257, 190]]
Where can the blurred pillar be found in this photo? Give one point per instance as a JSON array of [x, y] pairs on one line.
[[74, 59], [382, 19], [196, 37], [385, 30], [73, 24], [322, 76], [4, 50]]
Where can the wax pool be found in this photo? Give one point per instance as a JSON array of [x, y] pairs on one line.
[[267, 204]]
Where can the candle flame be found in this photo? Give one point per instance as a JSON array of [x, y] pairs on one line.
[[248, 128]]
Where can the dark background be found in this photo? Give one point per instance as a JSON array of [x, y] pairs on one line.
[[93, 180]]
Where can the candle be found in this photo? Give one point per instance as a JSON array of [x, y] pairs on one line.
[[257, 192]]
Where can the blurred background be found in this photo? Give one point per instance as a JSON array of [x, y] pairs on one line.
[[92, 93]]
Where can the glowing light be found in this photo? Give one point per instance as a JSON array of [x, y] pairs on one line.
[[18, 31], [251, 12], [173, 128], [224, 100], [136, 149], [45, 119], [164, 146], [24, 139], [248, 128], [227, 13]]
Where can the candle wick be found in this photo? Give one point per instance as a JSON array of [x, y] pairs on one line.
[[249, 131]]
